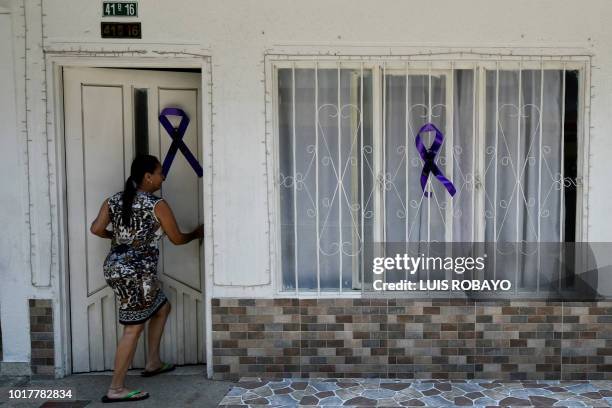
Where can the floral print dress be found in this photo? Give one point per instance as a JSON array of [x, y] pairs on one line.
[[131, 265]]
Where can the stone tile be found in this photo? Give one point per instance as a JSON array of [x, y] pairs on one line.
[[361, 401], [395, 386], [436, 401], [378, 393], [523, 393], [463, 402], [387, 402], [257, 401], [543, 401], [515, 402], [309, 400]]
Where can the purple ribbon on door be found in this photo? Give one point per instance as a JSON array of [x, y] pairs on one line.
[[429, 156], [177, 140]]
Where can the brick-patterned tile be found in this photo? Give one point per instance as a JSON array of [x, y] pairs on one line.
[[518, 340], [255, 337], [587, 341], [431, 338], [41, 337], [453, 339], [343, 337]]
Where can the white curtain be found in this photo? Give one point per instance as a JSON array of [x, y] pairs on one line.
[[326, 193], [523, 181], [327, 167]]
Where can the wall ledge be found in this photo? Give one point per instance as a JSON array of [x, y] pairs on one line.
[[15, 369]]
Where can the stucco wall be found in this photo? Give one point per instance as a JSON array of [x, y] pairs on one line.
[[237, 35], [13, 268]]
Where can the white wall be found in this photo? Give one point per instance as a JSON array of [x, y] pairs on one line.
[[237, 34], [26, 245], [15, 280]]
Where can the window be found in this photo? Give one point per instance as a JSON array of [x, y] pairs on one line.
[[141, 121], [349, 172]]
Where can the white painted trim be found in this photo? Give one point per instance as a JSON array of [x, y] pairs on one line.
[[363, 48], [55, 64], [274, 229], [63, 335], [207, 201], [584, 163], [395, 61]]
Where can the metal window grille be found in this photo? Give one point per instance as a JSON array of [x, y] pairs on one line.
[[347, 166]]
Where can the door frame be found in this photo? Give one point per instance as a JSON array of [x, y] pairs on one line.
[[55, 62]]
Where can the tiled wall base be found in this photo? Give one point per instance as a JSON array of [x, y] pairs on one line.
[[41, 337], [401, 338]]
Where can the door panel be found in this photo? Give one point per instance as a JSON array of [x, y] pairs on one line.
[[103, 152], [99, 126], [181, 263]]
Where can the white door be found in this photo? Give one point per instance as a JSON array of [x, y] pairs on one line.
[[110, 115]]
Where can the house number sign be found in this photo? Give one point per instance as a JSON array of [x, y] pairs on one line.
[[119, 9], [120, 30]]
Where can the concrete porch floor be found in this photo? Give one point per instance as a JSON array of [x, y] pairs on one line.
[[184, 387]]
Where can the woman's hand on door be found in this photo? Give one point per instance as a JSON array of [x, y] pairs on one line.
[[199, 232], [168, 222]]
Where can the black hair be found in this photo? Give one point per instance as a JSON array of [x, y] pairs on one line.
[[142, 164]]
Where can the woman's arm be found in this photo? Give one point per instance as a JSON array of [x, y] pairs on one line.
[[98, 226], [168, 222]]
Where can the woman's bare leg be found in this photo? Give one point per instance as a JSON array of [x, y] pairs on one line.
[[123, 358], [156, 329]]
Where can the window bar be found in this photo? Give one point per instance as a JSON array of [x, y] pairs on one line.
[[495, 155], [384, 163], [449, 162], [377, 149], [475, 138], [480, 162], [295, 214], [518, 166], [429, 187], [562, 172], [429, 178], [450, 144], [340, 181], [539, 239], [316, 102], [406, 126], [361, 149]]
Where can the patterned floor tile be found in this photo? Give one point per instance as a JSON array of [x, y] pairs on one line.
[[371, 392]]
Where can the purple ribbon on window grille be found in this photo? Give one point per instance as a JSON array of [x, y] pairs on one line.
[[429, 156], [177, 140]]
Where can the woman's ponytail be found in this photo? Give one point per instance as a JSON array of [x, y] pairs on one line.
[[141, 165], [127, 199]]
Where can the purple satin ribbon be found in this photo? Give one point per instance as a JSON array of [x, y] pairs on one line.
[[177, 140], [429, 156]]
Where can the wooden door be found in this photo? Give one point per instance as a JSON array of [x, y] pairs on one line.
[[105, 113]]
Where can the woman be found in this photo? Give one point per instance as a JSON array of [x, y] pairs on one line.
[[139, 220]]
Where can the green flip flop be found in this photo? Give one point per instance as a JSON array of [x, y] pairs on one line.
[[131, 396], [163, 369]]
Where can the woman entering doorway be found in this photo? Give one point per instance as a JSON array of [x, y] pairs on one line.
[[139, 219]]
